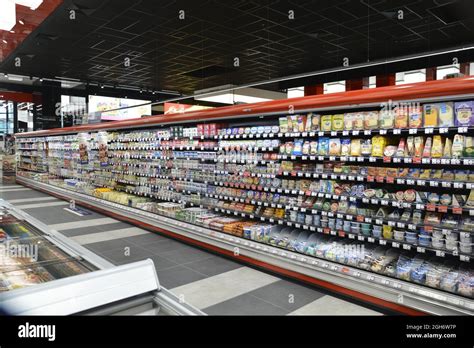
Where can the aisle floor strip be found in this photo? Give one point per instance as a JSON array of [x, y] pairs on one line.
[[85, 223], [328, 305], [109, 235], [33, 199], [223, 286], [14, 189], [42, 205]]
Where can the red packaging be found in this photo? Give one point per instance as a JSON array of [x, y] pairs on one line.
[[200, 129], [212, 129], [206, 130]]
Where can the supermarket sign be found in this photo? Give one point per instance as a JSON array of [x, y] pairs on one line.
[[175, 108]]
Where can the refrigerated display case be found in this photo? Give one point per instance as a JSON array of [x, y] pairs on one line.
[[45, 273], [368, 193]]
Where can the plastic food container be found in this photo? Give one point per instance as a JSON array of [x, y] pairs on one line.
[[451, 244], [387, 232], [437, 234], [377, 233], [465, 247], [452, 236], [399, 235], [465, 237], [355, 230], [424, 240], [411, 237], [437, 242]]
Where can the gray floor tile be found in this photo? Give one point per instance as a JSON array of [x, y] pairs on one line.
[[79, 231], [213, 266], [119, 225], [21, 194], [119, 257], [245, 305], [147, 239], [162, 263], [286, 294], [186, 254], [113, 244], [163, 246], [177, 276]]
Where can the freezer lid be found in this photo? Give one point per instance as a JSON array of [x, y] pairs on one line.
[[83, 292]]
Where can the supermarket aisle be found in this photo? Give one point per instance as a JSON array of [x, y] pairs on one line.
[[212, 283]]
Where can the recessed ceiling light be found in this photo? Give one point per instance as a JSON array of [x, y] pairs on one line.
[[12, 31], [4, 41], [21, 21]]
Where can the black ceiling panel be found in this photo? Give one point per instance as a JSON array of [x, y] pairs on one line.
[[197, 52]]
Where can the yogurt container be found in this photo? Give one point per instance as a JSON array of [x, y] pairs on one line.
[[437, 242], [411, 237], [465, 247], [424, 240], [399, 235]]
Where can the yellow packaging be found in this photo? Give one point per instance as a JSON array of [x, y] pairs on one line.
[[371, 120], [430, 115], [326, 123], [447, 148], [387, 119], [338, 122], [401, 117], [445, 114], [378, 145], [437, 148], [355, 147]]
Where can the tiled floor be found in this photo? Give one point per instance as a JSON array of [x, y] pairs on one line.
[[212, 283]]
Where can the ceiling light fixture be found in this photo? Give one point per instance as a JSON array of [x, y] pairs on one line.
[[32, 4], [7, 16], [4, 41], [41, 79], [21, 21]]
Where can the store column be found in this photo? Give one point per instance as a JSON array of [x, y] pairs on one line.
[[355, 84], [314, 89], [385, 80]]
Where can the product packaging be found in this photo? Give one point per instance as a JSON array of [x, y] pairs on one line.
[[430, 115], [464, 113]]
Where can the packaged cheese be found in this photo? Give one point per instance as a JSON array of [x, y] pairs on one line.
[[366, 147], [355, 147], [469, 147], [338, 122], [294, 123], [401, 150], [418, 141], [447, 148], [430, 115], [458, 146], [345, 147], [358, 121], [410, 146], [371, 120], [311, 121], [415, 117], [401, 117], [387, 118], [348, 121], [445, 114], [301, 122], [283, 121], [378, 145], [464, 113], [323, 146], [334, 147], [437, 148], [326, 123], [427, 149]]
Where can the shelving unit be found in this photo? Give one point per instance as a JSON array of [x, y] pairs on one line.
[[238, 186]]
